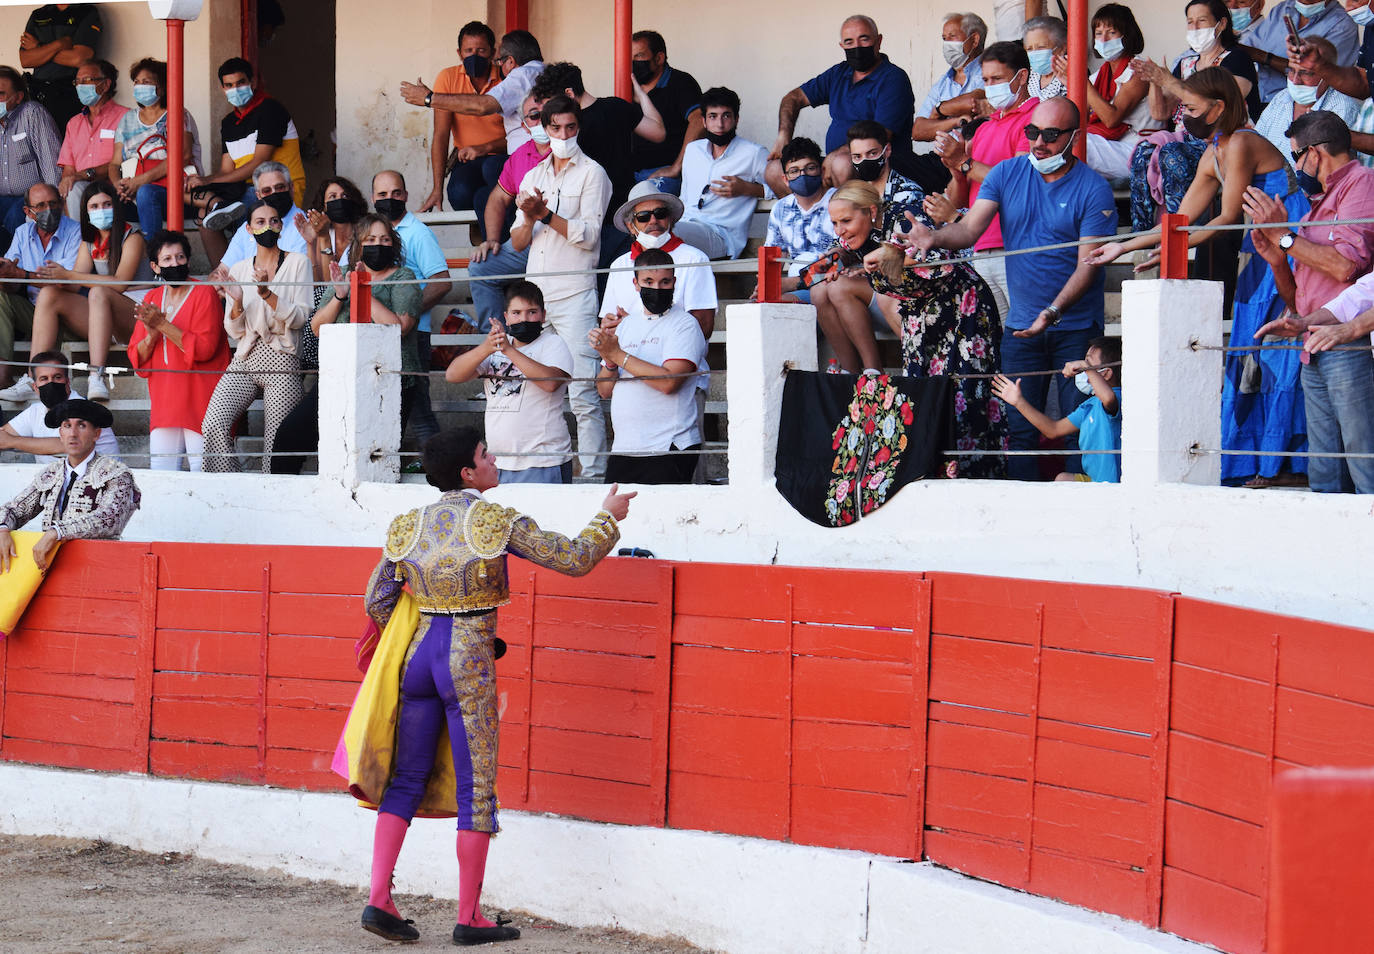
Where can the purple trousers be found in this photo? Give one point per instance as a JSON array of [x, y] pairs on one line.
[[449, 682]]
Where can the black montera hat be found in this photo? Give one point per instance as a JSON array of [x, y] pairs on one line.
[[97, 414]]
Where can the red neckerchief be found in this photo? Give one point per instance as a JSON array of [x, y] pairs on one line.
[[252, 104], [668, 246], [100, 248]]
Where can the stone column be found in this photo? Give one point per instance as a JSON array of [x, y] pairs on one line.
[[764, 341], [360, 403]]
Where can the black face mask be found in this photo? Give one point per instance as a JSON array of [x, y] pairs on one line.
[[524, 331], [642, 70], [861, 59], [869, 170], [476, 66], [47, 220], [175, 273], [1198, 127], [279, 202], [379, 257], [720, 139], [342, 211], [656, 300], [53, 393], [267, 238], [393, 209]]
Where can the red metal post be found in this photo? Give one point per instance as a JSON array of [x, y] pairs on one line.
[[248, 33], [624, 27], [176, 132], [517, 15], [1173, 246], [1078, 71], [360, 291], [770, 274]]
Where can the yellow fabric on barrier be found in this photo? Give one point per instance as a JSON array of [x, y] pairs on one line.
[[18, 586], [370, 733]]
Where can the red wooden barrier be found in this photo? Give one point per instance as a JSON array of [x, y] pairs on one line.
[[1106, 746]]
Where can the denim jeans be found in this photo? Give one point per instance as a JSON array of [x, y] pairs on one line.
[[1338, 391], [11, 215], [1049, 350], [152, 208], [423, 424], [489, 297], [468, 177]]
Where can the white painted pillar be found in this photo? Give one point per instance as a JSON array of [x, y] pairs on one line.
[[360, 403], [764, 341], [1171, 391]]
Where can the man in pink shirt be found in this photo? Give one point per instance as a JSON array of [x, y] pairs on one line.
[[88, 144], [493, 257], [1330, 307], [1006, 78]]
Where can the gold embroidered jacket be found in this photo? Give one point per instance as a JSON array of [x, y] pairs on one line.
[[453, 554]]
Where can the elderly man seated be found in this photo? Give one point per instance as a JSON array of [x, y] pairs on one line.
[[46, 236], [957, 95], [83, 496]]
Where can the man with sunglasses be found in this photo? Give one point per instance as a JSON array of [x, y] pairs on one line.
[[1057, 299], [648, 215]]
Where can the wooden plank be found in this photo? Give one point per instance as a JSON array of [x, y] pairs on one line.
[[999, 861], [68, 653], [312, 730], [747, 591], [978, 749], [289, 768], [109, 568], [852, 690], [317, 614], [955, 713], [210, 566], [633, 673], [512, 697], [1223, 638], [856, 758], [748, 634], [215, 763], [631, 579], [1099, 690], [513, 745], [1319, 730], [1106, 619], [1328, 660], [883, 644], [1125, 742], [984, 607], [143, 676], [591, 798], [978, 804], [1216, 847], [662, 694], [1202, 910], [709, 743], [591, 709], [735, 806], [1085, 825], [184, 650], [311, 693], [80, 614], [84, 722], [1090, 883], [217, 611], [337, 571], [1221, 707], [1090, 769], [1219, 777], [62, 685], [920, 718], [1160, 744], [591, 755], [190, 720], [726, 681], [839, 818], [887, 596], [980, 672], [67, 755], [595, 625], [240, 690], [319, 657]]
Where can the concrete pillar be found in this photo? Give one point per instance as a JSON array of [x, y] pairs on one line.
[[1172, 391], [764, 342], [360, 403]]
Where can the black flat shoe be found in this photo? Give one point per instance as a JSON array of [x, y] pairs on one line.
[[467, 935], [387, 925]]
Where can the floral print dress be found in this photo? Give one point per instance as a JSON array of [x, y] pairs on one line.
[[950, 325]]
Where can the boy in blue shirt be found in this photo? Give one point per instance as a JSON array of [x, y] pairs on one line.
[[1097, 421]]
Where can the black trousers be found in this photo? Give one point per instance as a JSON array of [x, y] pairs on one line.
[[663, 469]]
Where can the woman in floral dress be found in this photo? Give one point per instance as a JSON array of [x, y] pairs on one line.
[[949, 321]]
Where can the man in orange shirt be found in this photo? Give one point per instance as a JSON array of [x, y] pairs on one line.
[[479, 141]]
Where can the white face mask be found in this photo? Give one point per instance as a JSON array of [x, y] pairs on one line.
[[1362, 15], [1200, 41], [646, 240], [564, 148], [1080, 381], [1302, 95], [954, 53], [1000, 95], [1311, 9], [1109, 49], [539, 134], [1052, 163]]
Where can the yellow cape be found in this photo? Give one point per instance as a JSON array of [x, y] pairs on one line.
[[370, 734], [18, 586]]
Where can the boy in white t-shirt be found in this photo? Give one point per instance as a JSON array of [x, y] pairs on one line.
[[526, 367], [658, 414]]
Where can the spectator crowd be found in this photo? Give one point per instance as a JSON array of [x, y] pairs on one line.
[[1265, 116]]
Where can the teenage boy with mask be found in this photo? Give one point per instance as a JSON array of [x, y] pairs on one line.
[[800, 221], [46, 236], [652, 412], [27, 432], [722, 180], [524, 418], [865, 86], [1057, 301], [562, 202]]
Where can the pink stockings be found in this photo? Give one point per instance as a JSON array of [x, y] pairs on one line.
[[472, 867]]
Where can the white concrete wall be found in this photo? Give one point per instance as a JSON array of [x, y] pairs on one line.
[[718, 891]]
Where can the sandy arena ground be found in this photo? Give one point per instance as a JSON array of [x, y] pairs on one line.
[[71, 896]]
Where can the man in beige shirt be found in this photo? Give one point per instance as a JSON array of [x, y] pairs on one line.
[[560, 207]]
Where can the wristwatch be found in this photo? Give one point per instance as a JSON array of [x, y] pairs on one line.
[[1054, 313], [429, 97], [1287, 241], [547, 217], [966, 166]]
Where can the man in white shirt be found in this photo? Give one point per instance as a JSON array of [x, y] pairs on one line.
[[647, 370], [524, 418], [722, 180], [27, 433], [561, 205], [649, 215], [272, 182]]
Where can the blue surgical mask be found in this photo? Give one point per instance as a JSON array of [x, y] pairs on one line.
[[145, 94], [1240, 19], [239, 96], [86, 92], [1080, 381], [102, 218], [1041, 61], [1362, 15], [1302, 95], [1311, 9], [1109, 49]]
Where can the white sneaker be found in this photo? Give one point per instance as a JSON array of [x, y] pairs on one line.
[[21, 392], [96, 389]]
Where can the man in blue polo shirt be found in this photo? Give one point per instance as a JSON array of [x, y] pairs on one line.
[[1057, 298], [865, 86]]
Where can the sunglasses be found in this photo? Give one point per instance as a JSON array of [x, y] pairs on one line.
[[1050, 134], [705, 194], [1297, 156], [663, 214]]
